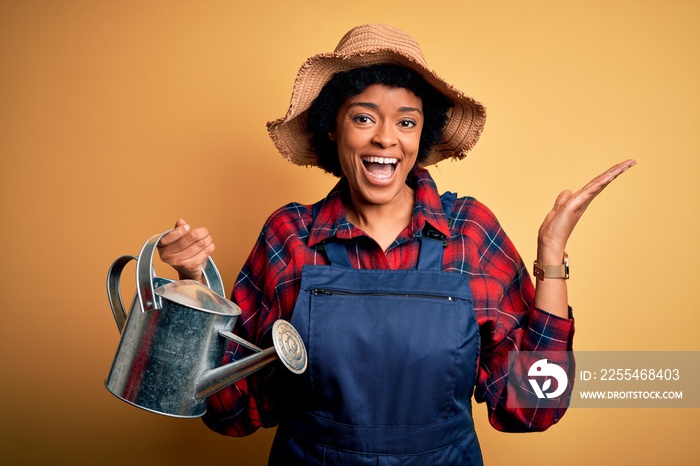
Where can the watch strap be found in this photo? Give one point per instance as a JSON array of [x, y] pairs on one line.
[[552, 271]]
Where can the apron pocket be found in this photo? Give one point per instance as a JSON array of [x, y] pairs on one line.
[[383, 359]]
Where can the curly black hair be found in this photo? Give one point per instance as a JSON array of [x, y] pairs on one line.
[[343, 85]]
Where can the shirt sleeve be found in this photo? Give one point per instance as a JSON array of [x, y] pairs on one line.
[[265, 291], [503, 297]]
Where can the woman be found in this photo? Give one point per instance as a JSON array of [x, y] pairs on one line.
[[408, 301]]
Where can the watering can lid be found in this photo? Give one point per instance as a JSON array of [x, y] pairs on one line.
[[195, 295]]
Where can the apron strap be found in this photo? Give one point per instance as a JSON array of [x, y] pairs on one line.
[[432, 241], [448, 202], [430, 257], [335, 250], [337, 253]]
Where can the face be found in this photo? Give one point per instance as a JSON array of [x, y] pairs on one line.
[[378, 135]]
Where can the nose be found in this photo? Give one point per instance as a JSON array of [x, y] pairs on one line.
[[384, 135]]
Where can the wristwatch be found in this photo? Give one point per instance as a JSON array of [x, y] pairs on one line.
[[552, 271]]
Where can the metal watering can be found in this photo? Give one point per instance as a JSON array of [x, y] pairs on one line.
[[174, 338]]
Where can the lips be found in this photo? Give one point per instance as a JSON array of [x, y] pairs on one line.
[[380, 167]]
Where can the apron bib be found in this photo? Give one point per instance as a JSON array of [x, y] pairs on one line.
[[393, 356]]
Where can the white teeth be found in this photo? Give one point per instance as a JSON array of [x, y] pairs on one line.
[[374, 159]]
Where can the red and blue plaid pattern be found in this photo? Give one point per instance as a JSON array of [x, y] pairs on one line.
[[502, 293]]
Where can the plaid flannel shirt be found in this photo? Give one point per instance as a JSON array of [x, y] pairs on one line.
[[502, 293]]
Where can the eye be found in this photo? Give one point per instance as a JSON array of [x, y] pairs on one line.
[[407, 123], [362, 119]]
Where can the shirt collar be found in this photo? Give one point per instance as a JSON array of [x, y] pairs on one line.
[[331, 221]]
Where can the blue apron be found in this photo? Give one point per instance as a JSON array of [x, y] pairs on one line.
[[393, 358]]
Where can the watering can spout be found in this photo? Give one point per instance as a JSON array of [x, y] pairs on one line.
[[221, 377], [287, 347]]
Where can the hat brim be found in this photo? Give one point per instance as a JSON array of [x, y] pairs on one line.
[[465, 121]]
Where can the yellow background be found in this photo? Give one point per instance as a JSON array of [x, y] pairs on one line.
[[118, 117]]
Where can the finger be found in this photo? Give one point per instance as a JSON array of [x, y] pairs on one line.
[[611, 173], [196, 238], [616, 170], [178, 232], [600, 182], [192, 267], [195, 248], [186, 247], [196, 262]]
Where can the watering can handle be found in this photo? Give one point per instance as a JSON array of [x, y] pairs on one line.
[[145, 275], [113, 291]]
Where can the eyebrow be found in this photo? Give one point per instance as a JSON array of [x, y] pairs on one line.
[[374, 106]]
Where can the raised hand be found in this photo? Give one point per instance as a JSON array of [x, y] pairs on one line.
[[186, 250], [551, 294], [568, 209]]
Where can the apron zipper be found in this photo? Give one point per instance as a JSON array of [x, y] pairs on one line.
[[325, 292]]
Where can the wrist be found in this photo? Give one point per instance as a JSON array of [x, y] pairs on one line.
[[550, 255]]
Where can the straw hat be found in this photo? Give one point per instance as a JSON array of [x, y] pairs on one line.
[[366, 45]]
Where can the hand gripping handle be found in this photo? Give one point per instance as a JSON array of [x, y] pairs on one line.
[[144, 279], [145, 275]]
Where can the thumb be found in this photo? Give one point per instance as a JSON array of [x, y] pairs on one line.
[[182, 223], [179, 230], [563, 197]]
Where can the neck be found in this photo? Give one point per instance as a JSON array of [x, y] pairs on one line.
[[383, 222]]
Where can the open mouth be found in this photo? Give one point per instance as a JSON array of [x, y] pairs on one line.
[[380, 167]]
